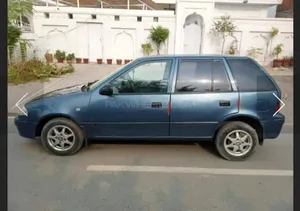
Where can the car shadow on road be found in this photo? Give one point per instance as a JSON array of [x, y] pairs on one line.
[[205, 145]]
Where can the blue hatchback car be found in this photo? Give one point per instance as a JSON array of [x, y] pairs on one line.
[[229, 100]]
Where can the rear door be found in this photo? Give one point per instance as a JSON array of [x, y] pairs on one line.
[[202, 97], [257, 89]]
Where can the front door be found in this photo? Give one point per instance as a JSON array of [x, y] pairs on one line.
[[203, 96], [192, 39], [139, 105]]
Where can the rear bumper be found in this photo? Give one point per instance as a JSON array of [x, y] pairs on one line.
[[272, 128], [26, 129]]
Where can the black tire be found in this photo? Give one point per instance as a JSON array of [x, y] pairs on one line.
[[78, 134], [230, 127]]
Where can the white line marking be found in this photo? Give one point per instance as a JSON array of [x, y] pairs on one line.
[[190, 170]]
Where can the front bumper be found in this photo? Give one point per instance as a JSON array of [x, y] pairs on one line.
[[273, 128], [26, 129]]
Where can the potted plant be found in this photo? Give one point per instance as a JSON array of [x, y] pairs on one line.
[[60, 56], [159, 35], [99, 61], [277, 51], [126, 61], [78, 60], [48, 57], [85, 60], [109, 61], [254, 52], [291, 61], [286, 61], [119, 61], [70, 58], [232, 50], [147, 48]]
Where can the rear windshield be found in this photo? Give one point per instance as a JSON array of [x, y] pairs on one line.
[[249, 77]]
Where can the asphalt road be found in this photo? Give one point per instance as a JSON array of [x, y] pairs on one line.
[[151, 180]]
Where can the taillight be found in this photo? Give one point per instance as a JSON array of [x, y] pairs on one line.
[[278, 106]]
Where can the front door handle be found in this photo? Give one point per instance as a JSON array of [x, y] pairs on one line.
[[156, 105], [224, 103]]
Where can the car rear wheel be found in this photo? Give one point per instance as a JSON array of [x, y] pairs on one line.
[[62, 137], [236, 141]]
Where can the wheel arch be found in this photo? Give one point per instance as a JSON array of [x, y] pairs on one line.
[[43, 121], [250, 120]]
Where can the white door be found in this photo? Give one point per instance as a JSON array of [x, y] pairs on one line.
[[95, 41], [82, 41], [192, 39]]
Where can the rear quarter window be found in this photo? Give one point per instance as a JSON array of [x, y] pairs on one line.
[[249, 77]]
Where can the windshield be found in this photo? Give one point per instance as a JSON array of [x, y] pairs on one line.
[[94, 85]]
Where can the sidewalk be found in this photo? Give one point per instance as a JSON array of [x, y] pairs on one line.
[[90, 72]]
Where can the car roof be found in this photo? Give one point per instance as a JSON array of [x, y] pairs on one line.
[[191, 56]]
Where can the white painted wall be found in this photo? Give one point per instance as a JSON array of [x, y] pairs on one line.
[[241, 10], [106, 38], [101, 38], [249, 33]]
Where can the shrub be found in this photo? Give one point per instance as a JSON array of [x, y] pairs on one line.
[[147, 48], [278, 50], [25, 71], [71, 56]]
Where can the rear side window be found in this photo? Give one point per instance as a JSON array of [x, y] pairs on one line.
[[220, 77], [202, 75], [249, 77]]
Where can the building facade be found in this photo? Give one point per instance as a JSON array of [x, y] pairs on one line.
[[109, 33]]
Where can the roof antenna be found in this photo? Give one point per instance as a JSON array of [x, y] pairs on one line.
[[245, 1]]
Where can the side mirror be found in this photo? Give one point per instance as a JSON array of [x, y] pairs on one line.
[[106, 90]]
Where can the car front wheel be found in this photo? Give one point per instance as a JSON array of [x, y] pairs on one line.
[[62, 137], [236, 141]]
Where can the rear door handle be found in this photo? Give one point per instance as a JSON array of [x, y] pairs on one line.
[[224, 103], [156, 105]]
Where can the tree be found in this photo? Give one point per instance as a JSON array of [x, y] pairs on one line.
[[223, 28], [273, 32], [15, 10], [159, 35]]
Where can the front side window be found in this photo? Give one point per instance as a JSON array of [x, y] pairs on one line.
[[202, 75], [149, 77]]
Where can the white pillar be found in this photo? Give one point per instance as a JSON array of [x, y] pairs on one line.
[[128, 2], [77, 3]]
